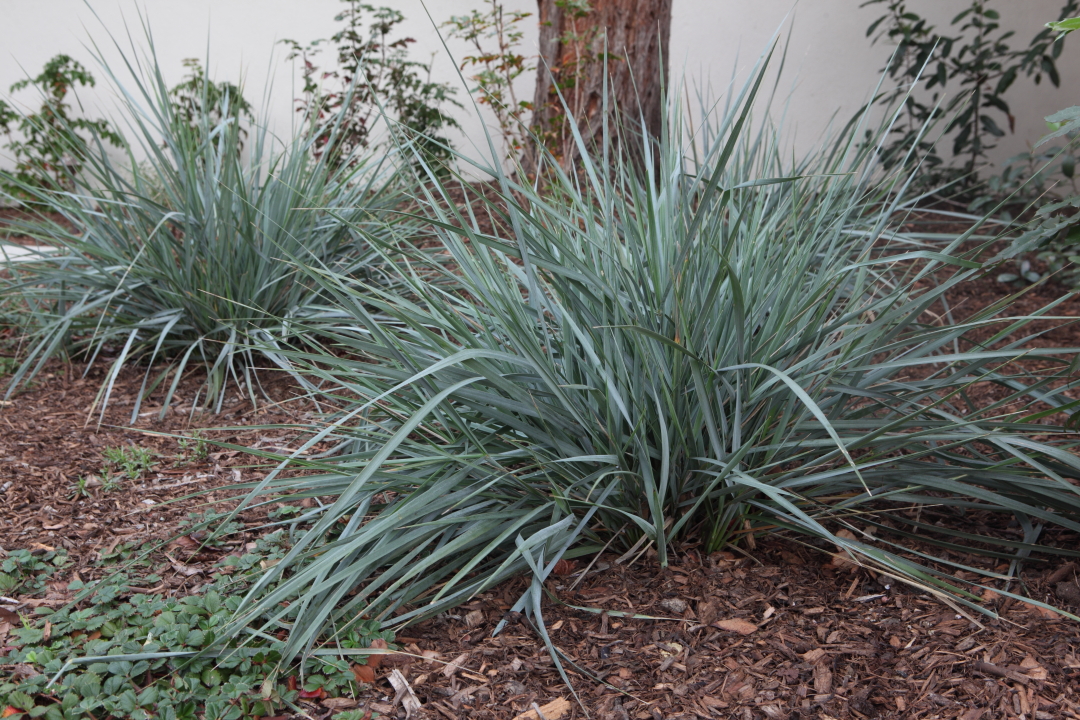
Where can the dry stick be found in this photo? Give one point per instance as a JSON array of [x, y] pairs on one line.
[[991, 669], [629, 553]]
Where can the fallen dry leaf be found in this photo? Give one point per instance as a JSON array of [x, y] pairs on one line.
[[707, 611], [339, 703], [185, 570], [843, 558], [736, 625], [564, 567], [1041, 611], [8, 620], [823, 679], [1033, 669], [184, 542], [375, 660], [364, 674], [552, 711], [23, 671]]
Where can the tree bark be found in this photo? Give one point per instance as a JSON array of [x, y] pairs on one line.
[[634, 35]]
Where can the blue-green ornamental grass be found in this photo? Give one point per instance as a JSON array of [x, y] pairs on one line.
[[676, 343], [182, 259], [660, 350]]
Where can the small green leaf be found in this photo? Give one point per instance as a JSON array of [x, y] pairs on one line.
[[211, 677], [1065, 26]]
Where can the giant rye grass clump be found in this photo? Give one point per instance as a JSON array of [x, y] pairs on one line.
[[682, 342]]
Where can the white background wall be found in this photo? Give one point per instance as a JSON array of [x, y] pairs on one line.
[[831, 66]]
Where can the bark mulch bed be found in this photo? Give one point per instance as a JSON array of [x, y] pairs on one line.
[[779, 633], [50, 438]]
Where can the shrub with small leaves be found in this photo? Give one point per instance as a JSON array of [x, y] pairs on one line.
[[52, 145], [373, 76]]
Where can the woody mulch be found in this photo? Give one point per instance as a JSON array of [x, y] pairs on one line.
[[782, 632], [51, 438]]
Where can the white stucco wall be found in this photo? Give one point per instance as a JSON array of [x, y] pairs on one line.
[[831, 66]]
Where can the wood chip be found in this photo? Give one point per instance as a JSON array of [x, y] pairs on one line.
[[743, 627], [405, 695], [552, 711], [822, 679], [455, 665], [1061, 573]]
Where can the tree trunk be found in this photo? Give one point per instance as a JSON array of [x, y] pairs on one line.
[[634, 34]]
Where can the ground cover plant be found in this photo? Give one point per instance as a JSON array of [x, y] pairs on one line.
[[716, 344], [123, 625], [179, 258]]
